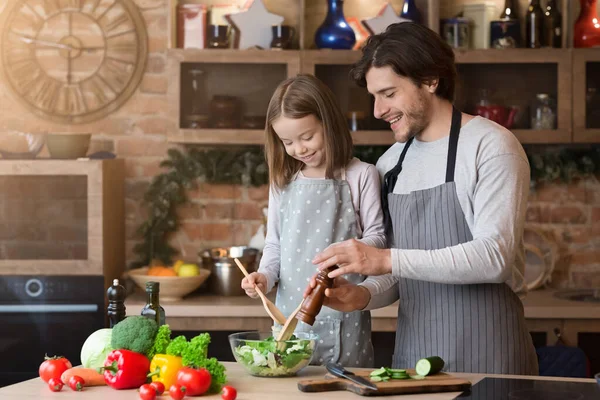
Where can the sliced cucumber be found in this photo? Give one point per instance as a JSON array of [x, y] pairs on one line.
[[429, 365], [379, 372], [376, 378], [417, 377]]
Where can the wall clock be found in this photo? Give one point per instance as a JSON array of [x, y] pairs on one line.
[[73, 61]]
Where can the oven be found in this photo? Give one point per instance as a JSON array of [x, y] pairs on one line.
[[46, 315]]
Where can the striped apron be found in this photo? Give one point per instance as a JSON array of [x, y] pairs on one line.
[[476, 328]]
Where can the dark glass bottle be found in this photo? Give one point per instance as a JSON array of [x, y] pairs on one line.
[[552, 25], [116, 303], [510, 10], [410, 11], [534, 22], [153, 309]]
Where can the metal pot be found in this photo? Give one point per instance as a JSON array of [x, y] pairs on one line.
[[226, 278]]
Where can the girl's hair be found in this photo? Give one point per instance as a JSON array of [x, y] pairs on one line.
[[299, 97]]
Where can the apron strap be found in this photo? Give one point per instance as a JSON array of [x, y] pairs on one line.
[[453, 144], [389, 182]]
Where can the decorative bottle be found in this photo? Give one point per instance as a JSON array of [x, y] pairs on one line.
[[534, 22], [552, 25], [153, 309], [116, 303], [314, 301], [334, 32], [510, 10], [586, 30], [410, 11]]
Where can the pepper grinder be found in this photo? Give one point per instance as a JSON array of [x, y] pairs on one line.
[[116, 303], [314, 301]]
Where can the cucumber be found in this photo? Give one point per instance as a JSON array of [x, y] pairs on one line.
[[379, 372], [429, 365], [417, 377]]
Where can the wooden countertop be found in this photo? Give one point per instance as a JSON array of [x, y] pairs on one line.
[[248, 387], [538, 304]]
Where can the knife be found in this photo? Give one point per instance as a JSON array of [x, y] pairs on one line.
[[339, 371]]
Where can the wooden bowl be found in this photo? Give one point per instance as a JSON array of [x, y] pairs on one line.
[[172, 288]]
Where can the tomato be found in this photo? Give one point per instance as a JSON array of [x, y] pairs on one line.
[[159, 386], [76, 383], [55, 384], [196, 381], [53, 367], [177, 392], [228, 393], [147, 392]]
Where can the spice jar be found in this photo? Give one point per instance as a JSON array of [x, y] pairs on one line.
[[543, 112]]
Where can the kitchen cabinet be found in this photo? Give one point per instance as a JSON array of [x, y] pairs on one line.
[[586, 95], [511, 77]]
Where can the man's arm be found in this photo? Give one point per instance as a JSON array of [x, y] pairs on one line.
[[500, 203]]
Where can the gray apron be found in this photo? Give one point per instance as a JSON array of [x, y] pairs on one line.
[[477, 328], [315, 213]]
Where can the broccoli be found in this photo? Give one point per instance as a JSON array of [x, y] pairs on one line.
[[135, 333], [161, 341]]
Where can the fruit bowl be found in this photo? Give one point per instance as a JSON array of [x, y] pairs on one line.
[[172, 288], [261, 355], [21, 145]]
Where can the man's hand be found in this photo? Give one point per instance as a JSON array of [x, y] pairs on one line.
[[251, 281], [356, 257], [344, 296]]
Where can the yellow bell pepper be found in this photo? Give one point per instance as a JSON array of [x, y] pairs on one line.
[[164, 368]]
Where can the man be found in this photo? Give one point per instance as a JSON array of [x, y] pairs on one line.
[[455, 193]]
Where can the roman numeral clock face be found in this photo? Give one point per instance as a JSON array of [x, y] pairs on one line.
[[73, 61]]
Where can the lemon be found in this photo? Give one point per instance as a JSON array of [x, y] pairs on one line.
[[188, 270], [177, 265]]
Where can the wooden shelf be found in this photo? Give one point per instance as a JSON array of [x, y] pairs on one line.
[[235, 56], [510, 56], [530, 136], [586, 135]]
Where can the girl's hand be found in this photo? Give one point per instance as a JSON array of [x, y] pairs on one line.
[[252, 280]]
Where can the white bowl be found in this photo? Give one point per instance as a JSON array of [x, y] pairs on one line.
[[21, 145], [172, 288]]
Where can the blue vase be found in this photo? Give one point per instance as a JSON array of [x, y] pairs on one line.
[[334, 32], [410, 11]]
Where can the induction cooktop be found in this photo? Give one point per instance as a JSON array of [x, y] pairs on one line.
[[531, 389]]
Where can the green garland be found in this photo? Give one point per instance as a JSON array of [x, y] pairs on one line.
[[246, 166]]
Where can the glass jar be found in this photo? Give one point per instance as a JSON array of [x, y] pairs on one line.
[[543, 112]]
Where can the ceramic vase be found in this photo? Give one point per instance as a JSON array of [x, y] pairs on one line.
[[334, 32], [586, 31]]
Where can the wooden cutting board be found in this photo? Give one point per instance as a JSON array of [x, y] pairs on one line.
[[440, 382]]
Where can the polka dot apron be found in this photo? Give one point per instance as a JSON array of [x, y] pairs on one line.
[[315, 213]]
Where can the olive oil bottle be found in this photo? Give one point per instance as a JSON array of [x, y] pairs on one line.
[[153, 309]]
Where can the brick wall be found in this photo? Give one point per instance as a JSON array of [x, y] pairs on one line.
[[229, 215]]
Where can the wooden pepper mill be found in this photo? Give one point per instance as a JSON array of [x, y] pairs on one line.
[[314, 301]]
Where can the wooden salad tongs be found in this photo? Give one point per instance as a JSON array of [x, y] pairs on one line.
[[271, 308]]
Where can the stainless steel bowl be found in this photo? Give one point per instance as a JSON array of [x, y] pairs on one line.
[[226, 278]]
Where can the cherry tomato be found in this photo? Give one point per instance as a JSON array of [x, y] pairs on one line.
[[76, 383], [177, 392], [159, 386], [55, 385], [53, 367], [195, 381], [229, 393], [147, 392]]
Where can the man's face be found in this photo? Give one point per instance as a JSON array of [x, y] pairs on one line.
[[400, 102]]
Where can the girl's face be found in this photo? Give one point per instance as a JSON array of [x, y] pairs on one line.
[[303, 139]]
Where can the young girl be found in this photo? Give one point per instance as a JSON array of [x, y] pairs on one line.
[[319, 195]]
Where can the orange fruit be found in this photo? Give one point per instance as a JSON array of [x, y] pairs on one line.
[[161, 271]]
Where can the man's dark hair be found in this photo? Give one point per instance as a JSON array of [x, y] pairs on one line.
[[413, 51]]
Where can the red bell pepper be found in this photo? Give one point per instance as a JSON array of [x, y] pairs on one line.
[[125, 369]]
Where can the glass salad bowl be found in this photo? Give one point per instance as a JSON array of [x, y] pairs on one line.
[[261, 355]]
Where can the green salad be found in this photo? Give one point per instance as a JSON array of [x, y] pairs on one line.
[[271, 358]]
